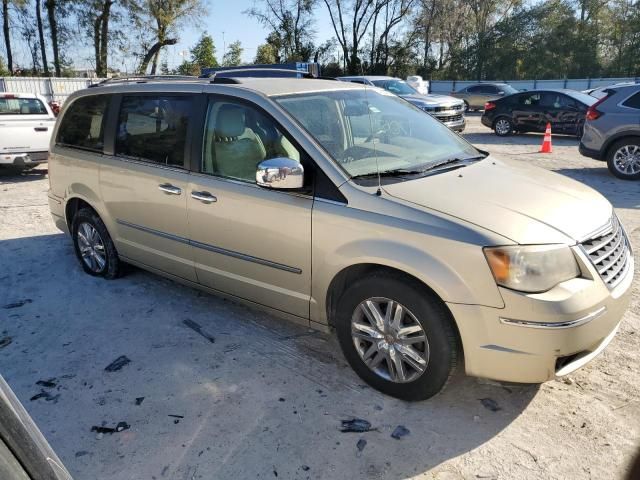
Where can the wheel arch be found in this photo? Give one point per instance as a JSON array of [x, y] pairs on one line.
[[615, 139]]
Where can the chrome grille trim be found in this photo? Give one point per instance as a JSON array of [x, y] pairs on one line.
[[609, 252]]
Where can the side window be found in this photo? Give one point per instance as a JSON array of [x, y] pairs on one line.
[[490, 89], [238, 137], [531, 99], [82, 125], [475, 89], [633, 102], [154, 128]]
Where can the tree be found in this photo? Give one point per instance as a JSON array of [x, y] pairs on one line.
[[203, 55], [291, 25], [7, 37], [163, 17], [266, 53], [52, 6], [43, 47], [233, 56]]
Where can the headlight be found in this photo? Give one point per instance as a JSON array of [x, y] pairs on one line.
[[427, 108], [531, 268]]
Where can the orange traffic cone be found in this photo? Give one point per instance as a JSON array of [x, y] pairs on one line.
[[546, 143]]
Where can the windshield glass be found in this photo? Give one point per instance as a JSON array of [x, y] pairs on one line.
[[21, 106], [583, 97], [366, 130], [399, 87], [507, 89]]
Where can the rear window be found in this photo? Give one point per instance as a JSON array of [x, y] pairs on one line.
[[154, 128], [633, 101], [82, 125], [22, 106]]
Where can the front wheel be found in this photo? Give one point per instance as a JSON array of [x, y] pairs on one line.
[[503, 127], [398, 337], [623, 159]]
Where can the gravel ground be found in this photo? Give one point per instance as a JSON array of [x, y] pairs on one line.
[[265, 400]]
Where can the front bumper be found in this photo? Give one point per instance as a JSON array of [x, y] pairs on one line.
[[27, 158], [537, 337]]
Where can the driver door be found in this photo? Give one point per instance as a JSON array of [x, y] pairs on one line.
[[248, 241]]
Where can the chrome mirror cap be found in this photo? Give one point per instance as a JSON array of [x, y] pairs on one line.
[[280, 173]]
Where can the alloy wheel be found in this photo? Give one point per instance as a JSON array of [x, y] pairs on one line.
[[503, 127], [91, 247], [627, 159], [390, 340]]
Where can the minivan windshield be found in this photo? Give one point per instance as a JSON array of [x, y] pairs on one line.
[[367, 131]]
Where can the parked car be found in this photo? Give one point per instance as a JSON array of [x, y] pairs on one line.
[[531, 111], [600, 92], [476, 96], [612, 131], [448, 110], [24, 452], [344, 207], [26, 124], [418, 84]]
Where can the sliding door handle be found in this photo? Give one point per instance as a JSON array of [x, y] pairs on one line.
[[205, 197], [169, 189]]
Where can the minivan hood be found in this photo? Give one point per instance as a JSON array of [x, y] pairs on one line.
[[526, 204]]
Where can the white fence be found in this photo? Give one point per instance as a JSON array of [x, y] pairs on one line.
[[51, 88], [447, 86]]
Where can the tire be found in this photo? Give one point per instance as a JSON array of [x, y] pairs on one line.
[[623, 158], [421, 310], [503, 127], [90, 235]]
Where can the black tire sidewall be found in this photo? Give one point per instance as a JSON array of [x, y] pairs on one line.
[[112, 267], [429, 311], [611, 153], [510, 125]]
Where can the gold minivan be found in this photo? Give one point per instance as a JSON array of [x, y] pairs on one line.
[[343, 207]]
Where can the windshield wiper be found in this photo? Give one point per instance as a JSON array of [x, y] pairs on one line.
[[451, 161], [398, 172]]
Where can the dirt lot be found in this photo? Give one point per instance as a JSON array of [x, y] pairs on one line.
[[266, 399]]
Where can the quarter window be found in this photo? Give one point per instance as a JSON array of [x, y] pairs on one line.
[[633, 102], [238, 137], [154, 128], [82, 126]]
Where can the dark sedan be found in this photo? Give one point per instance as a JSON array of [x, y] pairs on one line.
[[531, 111]]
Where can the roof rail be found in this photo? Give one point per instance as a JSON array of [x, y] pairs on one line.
[[142, 79], [212, 76]]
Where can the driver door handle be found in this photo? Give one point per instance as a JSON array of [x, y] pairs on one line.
[[169, 189], [204, 197]]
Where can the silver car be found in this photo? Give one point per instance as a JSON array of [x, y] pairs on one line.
[[346, 209], [475, 96], [612, 131]]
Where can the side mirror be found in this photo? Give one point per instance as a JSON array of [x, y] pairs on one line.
[[280, 173]]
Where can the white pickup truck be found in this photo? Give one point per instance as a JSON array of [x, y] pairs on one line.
[[26, 124]]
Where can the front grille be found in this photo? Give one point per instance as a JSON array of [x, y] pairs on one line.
[[610, 253], [456, 108], [449, 118]]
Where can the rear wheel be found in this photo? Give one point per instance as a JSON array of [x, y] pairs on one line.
[[623, 159], [503, 127], [93, 245], [398, 337]]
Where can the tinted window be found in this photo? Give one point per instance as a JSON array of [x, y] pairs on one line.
[[475, 89], [633, 102], [529, 99], [238, 137], [21, 106], [153, 128], [489, 89], [83, 123]]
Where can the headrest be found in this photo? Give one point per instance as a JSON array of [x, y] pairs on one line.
[[230, 121], [25, 109]]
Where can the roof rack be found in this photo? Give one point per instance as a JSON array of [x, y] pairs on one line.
[[213, 76], [142, 79]]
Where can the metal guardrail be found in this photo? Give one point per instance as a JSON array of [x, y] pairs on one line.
[[51, 88], [448, 86]]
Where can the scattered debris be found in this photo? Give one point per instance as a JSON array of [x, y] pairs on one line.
[[18, 304], [377, 407], [305, 468], [399, 432], [46, 395], [139, 400], [117, 364], [6, 340], [361, 444], [175, 416], [51, 383], [490, 404], [281, 399], [568, 380], [176, 421], [119, 428], [476, 418], [355, 425], [82, 453], [198, 329]]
